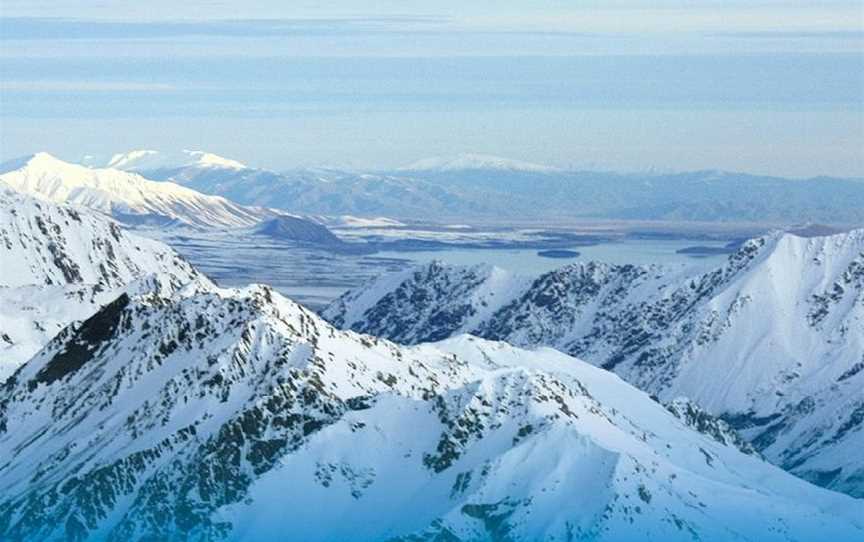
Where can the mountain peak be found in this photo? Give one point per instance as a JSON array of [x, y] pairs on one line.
[[782, 313], [126, 195], [224, 401], [39, 160], [43, 157], [61, 263], [123, 160], [209, 159], [473, 161], [146, 159]]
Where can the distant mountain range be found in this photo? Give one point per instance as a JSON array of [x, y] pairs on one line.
[[481, 187], [136, 201], [477, 162], [772, 341]]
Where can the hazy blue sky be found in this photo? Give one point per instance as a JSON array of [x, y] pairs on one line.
[[771, 87]]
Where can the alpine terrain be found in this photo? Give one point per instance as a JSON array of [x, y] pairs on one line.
[[60, 264], [210, 414], [127, 197], [772, 341]]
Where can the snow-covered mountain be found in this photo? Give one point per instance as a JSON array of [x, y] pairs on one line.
[[319, 191], [773, 340], [143, 160], [59, 264], [471, 161], [128, 197], [481, 187], [210, 414]]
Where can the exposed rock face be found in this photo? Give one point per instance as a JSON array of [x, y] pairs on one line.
[[210, 414], [428, 303], [59, 264], [772, 341], [698, 419]]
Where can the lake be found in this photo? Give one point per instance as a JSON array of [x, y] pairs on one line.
[[315, 277], [618, 252]]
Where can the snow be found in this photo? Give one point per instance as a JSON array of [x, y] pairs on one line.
[[425, 440], [122, 194], [208, 159], [143, 160], [349, 221], [468, 161], [776, 333], [60, 264], [149, 392]]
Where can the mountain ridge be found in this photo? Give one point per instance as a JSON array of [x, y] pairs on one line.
[[123, 195], [144, 159], [474, 161], [60, 264], [772, 340], [249, 397], [484, 188]]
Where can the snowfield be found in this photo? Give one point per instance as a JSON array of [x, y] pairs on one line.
[[125, 196], [60, 264], [773, 340], [141, 160], [239, 415]]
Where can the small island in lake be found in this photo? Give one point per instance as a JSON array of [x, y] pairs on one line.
[[704, 251], [558, 253]]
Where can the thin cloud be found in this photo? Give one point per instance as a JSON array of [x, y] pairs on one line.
[[38, 28], [82, 86]]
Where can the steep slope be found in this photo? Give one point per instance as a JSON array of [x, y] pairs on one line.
[[773, 340], [128, 197], [59, 265], [428, 303], [214, 414]]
